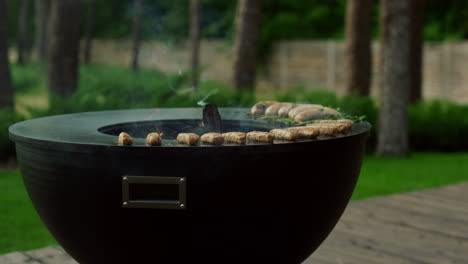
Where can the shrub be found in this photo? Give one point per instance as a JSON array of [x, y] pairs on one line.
[[433, 125], [298, 95], [27, 78], [438, 125], [362, 106], [110, 88], [7, 118]]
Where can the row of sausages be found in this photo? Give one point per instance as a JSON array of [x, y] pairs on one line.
[[153, 139], [311, 131], [298, 112]]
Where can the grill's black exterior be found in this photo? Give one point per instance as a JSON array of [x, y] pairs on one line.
[[271, 203]]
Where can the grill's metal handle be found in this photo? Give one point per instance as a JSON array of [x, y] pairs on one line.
[[154, 192]]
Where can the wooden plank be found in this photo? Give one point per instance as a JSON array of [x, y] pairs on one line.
[[357, 254], [446, 248], [390, 227], [395, 248], [457, 205], [385, 210], [52, 255], [14, 258], [424, 214], [456, 191], [421, 222], [340, 256], [429, 207], [323, 258]]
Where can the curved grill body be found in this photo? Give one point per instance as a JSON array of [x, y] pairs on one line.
[[272, 203]]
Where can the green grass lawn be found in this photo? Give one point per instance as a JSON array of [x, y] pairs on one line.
[[21, 229], [382, 176]]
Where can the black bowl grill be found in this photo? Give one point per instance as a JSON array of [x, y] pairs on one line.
[[104, 203]]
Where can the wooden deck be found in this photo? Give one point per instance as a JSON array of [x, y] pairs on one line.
[[422, 227]]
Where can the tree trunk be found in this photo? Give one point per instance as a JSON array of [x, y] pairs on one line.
[[89, 31], [63, 47], [195, 41], [23, 38], [136, 34], [418, 10], [245, 46], [395, 52], [42, 17], [6, 87], [358, 47]]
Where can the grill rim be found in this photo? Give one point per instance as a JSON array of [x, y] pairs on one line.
[[67, 132]]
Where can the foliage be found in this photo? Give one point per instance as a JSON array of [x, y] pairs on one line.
[[446, 20], [439, 125], [108, 88], [434, 125], [167, 20], [7, 118], [28, 79]]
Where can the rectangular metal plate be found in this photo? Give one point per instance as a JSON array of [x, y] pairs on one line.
[[154, 192]]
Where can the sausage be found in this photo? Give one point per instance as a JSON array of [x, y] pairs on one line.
[[296, 110], [154, 139], [125, 139], [326, 121], [317, 113], [188, 138], [326, 128], [212, 138], [260, 107], [331, 111], [273, 109], [346, 122], [284, 134], [284, 110], [305, 132], [342, 124], [235, 137], [258, 136]]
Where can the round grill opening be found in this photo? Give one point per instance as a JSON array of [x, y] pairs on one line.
[[171, 128]]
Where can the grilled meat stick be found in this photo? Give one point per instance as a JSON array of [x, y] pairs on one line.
[[260, 107], [153, 139], [327, 128], [284, 110], [347, 122], [284, 134], [212, 138], [235, 137], [258, 136], [341, 125], [188, 138], [273, 109], [301, 108], [125, 139], [305, 132], [317, 113]]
